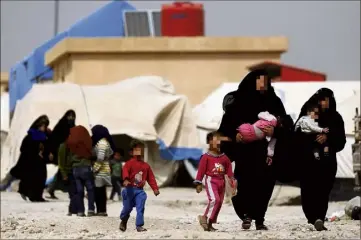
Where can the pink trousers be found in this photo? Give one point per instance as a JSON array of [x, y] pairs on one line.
[[215, 189]]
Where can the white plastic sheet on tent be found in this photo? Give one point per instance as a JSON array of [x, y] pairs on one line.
[[209, 113], [145, 108], [5, 113], [5, 118]]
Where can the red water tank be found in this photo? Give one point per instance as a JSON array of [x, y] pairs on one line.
[[182, 19]]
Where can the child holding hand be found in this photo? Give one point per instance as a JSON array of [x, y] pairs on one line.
[[215, 166]]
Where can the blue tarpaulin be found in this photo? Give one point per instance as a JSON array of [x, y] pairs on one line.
[[105, 22], [178, 153]]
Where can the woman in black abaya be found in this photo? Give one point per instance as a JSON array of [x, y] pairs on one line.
[[31, 166], [255, 177], [59, 134], [318, 175]]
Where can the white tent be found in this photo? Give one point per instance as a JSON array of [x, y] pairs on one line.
[[145, 108], [347, 93], [5, 114]]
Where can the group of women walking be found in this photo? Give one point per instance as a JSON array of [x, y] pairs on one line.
[[294, 157], [82, 159]]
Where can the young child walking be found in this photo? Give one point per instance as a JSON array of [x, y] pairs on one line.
[[253, 132], [135, 173], [214, 165], [308, 124], [116, 167]]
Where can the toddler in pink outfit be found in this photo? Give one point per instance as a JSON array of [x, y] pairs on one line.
[[253, 132]]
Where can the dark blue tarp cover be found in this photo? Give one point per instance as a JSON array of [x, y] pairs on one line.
[[105, 22]]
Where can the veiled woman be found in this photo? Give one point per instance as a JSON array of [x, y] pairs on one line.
[[59, 134], [317, 175], [254, 174], [31, 166]]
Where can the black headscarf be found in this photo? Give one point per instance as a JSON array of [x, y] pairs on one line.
[[244, 105], [34, 128], [62, 129], [329, 118], [99, 132], [42, 120], [315, 99]]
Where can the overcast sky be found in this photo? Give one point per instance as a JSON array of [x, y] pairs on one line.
[[323, 35]]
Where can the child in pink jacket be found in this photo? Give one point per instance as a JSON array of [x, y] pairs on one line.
[[214, 165]]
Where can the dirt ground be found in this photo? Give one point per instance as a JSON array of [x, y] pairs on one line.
[[171, 215]]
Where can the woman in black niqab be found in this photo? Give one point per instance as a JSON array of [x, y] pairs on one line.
[[255, 178], [31, 166], [317, 176], [59, 134]]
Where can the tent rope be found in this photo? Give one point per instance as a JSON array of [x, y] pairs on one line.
[[86, 106]]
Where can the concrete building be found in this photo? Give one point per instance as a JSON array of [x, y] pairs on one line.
[[4, 82], [195, 65]]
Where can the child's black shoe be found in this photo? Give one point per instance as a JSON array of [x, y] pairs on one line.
[[141, 229], [211, 228], [123, 225], [261, 227]]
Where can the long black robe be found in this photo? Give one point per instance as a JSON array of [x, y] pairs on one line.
[[255, 178], [317, 176], [32, 172], [31, 168], [59, 135], [285, 163]]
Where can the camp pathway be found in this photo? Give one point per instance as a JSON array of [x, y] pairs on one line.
[[171, 215]]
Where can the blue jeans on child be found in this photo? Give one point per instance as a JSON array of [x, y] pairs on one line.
[[133, 197], [83, 177], [73, 209]]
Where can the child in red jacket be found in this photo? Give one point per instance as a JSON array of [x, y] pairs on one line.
[[214, 165], [135, 173]]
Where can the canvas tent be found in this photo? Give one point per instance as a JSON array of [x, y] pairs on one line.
[[5, 117], [5, 113], [209, 113], [144, 108]]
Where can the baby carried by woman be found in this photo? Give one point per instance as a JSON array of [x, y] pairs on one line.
[[254, 132], [309, 124]]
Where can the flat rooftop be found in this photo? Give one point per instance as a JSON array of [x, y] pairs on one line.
[[165, 45]]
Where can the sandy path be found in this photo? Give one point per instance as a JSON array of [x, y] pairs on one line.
[[171, 215]]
